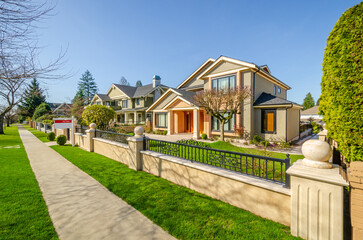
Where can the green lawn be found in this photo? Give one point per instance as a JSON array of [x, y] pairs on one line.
[[23, 213], [230, 147], [182, 212], [39, 134]]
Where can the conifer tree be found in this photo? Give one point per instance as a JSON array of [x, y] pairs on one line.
[[308, 101], [33, 97], [88, 86]]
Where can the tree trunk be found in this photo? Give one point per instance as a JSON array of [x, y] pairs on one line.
[[222, 130], [8, 122], [2, 124]]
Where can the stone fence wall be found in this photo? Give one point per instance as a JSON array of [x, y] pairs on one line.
[[313, 207]]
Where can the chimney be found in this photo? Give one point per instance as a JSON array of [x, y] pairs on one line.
[[156, 81]]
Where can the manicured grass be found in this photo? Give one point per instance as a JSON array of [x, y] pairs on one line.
[[23, 213], [182, 212], [39, 134], [230, 147]]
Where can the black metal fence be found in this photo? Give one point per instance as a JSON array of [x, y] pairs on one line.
[[268, 168], [81, 129], [113, 136]]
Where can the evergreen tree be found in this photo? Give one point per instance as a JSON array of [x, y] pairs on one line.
[[78, 104], [138, 83], [123, 81], [88, 86], [308, 101], [33, 97], [318, 101]]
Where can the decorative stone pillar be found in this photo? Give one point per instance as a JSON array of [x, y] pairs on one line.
[[170, 120], [136, 144], [91, 133], [316, 194]]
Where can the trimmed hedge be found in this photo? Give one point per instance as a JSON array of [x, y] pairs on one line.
[[342, 84]]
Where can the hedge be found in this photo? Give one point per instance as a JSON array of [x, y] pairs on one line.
[[342, 88]]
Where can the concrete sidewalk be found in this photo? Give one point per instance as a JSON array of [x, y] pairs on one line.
[[79, 206]]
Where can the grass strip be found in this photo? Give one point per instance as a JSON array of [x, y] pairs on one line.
[[23, 213], [39, 134], [182, 212]]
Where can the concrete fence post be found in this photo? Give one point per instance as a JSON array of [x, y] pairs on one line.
[[136, 144], [91, 133], [317, 190]]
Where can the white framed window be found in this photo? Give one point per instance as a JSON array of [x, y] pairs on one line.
[[125, 103], [279, 90], [227, 82], [228, 127], [138, 101], [161, 120]]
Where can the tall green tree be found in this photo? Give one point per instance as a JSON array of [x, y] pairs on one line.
[[342, 84], [78, 104], [88, 86], [33, 96], [138, 83], [308, 101], [123, 81]]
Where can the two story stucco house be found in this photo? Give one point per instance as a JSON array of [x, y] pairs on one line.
[[268, 113], [130, 103]]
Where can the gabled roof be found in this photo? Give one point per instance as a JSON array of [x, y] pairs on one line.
[[209, 60], [265, 68], [244, 65], [145, 90], [55, 106], [266, 99], [103, 96], [311, 111], [127, 90]]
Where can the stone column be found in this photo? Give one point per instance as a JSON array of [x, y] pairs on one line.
[[170, 123], [126, 118], [91, 133], [135, 117], [316, 194], [136, 144], [196, 121], [355, 177]]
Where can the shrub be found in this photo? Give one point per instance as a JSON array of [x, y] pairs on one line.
[[61, 140], [204, 136], [341, 87], [265, 143], [257, 139], [99, 114], [41, 110], [51, 136], [194, 143], [316, 127], [165, 132]]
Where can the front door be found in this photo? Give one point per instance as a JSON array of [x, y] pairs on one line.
[[187, 122]]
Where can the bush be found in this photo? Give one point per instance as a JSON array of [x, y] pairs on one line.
[[194, 143], [257, 139], [99, 114], [341, 87], [41, 110], [265, 143], [316, 127], [51, 136], [165, 132], [204, 136], [61, 140]]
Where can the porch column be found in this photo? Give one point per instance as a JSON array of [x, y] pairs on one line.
[[196, 120], [135, 117], [170, 123], [126, 118]]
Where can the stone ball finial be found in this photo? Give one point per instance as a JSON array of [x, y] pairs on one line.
[[317, 154], [92, 126], [139, 131]]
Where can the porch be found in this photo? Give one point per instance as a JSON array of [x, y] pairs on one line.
[[132, 117]]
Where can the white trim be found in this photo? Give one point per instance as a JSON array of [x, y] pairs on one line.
[[274, 80], [195, 72], [161, 97], [230, 72], [182, 109], [178, 98]]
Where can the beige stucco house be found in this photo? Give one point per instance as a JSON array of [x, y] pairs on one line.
[[268, 114], [130, 102]]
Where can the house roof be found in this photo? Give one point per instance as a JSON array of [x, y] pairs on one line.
[[187, 95], [266, 99], [128, 90], [134, 92], [311, 111], [196, 72], [103, 96], [53, 106]]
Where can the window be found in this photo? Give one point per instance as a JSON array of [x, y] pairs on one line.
[[228, 82], [228, 127], [279, 90], [138, 101], [268, 121], [125, 103], [148, 116], [107, 103], [98, 103], [161, 120], [275, 90]]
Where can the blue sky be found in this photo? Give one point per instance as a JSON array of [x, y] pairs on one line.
[[137, 39]]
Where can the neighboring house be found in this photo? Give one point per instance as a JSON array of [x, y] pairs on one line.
[[268, 114], [311, 113], [61, 109], [130, 102]]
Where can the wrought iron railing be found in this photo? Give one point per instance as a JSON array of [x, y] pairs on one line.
[[113, 136], [81, 129], [268, 168]]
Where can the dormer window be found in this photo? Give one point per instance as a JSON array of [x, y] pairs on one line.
[[225, 83]]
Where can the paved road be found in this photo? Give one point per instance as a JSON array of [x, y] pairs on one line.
[[79, 206]]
